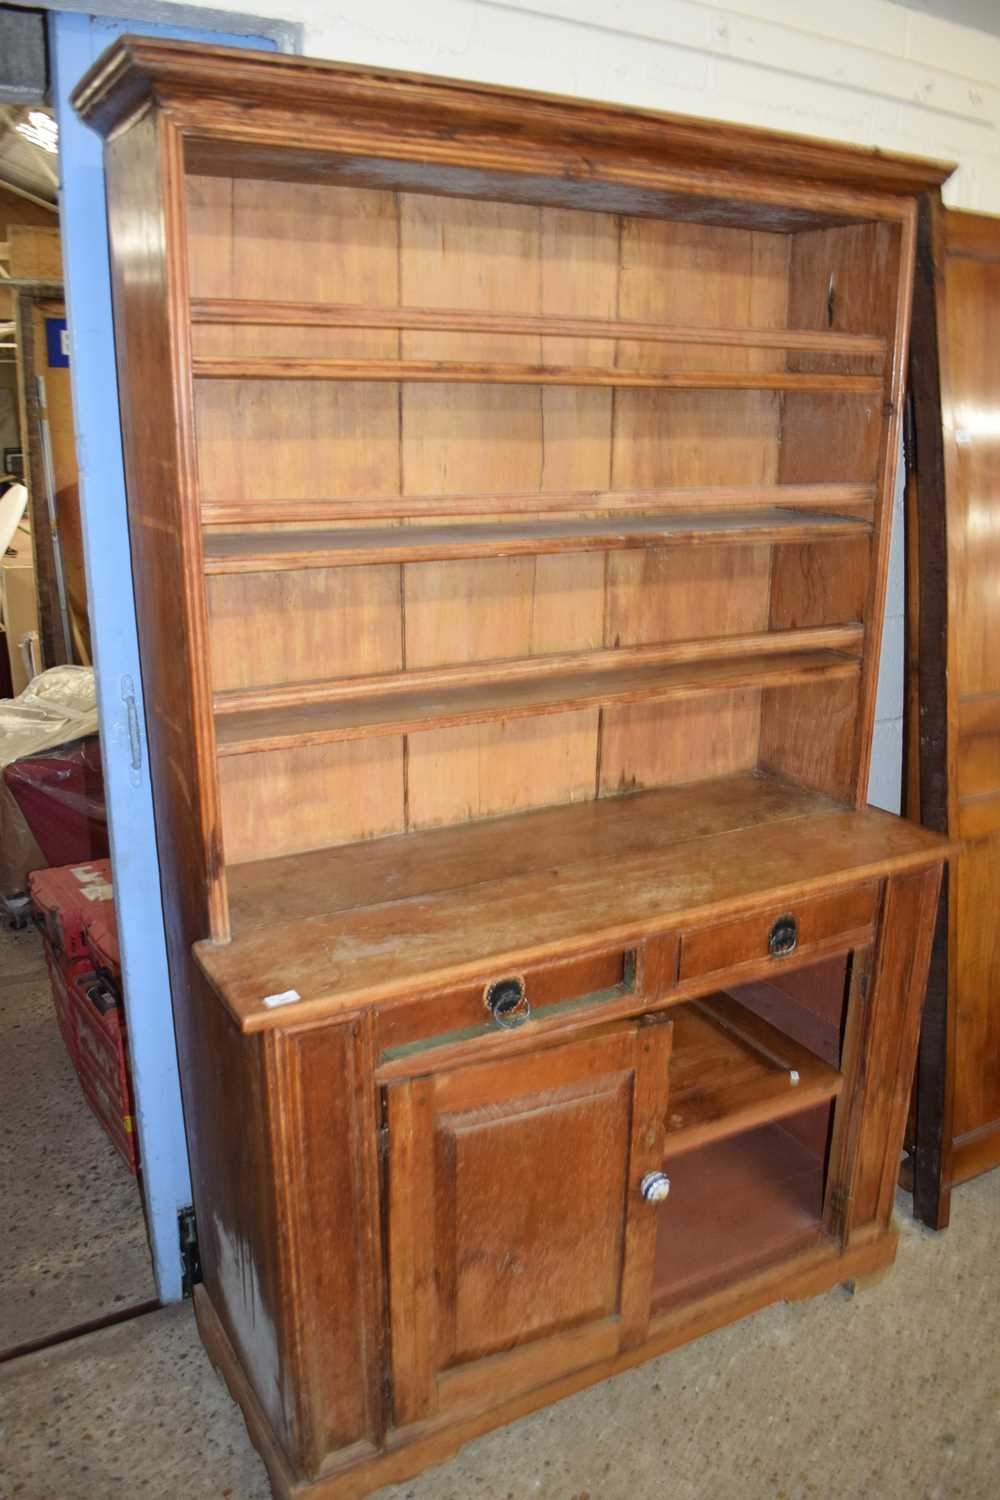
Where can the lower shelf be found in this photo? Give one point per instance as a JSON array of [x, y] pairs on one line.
[[731, 1070], [738, 1204]]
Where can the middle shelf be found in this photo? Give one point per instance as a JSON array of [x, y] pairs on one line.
[[260, 551], [351, 709]]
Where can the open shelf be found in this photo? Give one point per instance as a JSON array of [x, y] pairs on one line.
[[706, 498], [735, 1206], [730, 1070], [271, 367], [256, 551], [363, 714], [240, 312]]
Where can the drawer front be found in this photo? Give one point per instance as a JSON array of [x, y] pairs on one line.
[[464, 1013], [779, 933]]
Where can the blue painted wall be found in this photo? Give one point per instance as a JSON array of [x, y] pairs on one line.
[[75, 41]]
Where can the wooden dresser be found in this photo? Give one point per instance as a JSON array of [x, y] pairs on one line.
[[509, 482]]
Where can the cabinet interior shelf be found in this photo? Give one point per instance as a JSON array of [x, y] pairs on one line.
[[362, 713], [735, 1206], [255, 551], [237, 312], [304, 367], [731, 1070], [685, 500]]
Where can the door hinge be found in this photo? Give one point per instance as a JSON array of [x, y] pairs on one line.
[[383, 1142], [187, 1227], [840, 1201], [132, 716]]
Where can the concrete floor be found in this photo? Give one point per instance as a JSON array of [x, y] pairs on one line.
[[890, 1395], [73, 1244]]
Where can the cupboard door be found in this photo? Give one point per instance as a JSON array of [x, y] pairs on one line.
[[520, 1244]]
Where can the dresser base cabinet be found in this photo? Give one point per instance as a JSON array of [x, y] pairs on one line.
[[407, 1245], [510, 483]]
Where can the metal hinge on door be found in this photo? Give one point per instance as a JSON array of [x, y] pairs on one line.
[[187, 1227], [134, 731], [382, 1138]]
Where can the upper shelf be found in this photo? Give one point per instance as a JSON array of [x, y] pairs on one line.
[[260, 551], [685, 500], [233, 312], [268, 367]]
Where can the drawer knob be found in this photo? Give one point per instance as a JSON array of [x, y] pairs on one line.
[[507, 1002], [783, 937], [655, 1187]]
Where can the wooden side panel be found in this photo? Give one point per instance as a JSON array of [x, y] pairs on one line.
[[326, 1172], [145, 208], [970, 375], [976, 1057], [852, 280], [224, 1083], [281, 1132], [956, 480], [973, 328], [882, 1052]]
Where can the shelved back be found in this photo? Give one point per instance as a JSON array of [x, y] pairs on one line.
[[304, 453]]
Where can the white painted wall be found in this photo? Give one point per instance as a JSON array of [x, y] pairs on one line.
[[866, 71]]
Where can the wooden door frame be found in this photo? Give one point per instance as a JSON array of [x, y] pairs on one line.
[[28, 295]]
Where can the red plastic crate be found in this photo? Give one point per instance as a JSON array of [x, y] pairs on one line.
[[64, 898], [102, 1064], [62, 1001], [100, 932]]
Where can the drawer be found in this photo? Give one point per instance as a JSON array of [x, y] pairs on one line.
[[463, 1013], [779, 932]]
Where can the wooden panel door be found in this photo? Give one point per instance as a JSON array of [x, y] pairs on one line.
[[520, 1244], [953, 781]]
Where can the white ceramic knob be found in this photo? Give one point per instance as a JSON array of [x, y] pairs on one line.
[[654, 1187]]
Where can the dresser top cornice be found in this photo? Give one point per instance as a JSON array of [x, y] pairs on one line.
[[229, 84]]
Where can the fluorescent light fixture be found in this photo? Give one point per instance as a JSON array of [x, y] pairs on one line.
[[41, 130]]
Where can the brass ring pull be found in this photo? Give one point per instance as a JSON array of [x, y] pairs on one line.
[[507, 1002], [783, 937]]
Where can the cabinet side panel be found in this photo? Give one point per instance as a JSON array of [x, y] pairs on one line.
[[969, 315], [878, 1088], [224, 1079], [145, 208], [848, 280], [327, 1170]]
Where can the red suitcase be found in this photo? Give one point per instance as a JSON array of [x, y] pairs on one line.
[[61, 794]]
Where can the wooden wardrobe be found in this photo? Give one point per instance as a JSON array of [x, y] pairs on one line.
[[509, 486], [953, 781]]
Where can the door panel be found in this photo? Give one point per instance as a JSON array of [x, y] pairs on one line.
[[517, 1233]]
